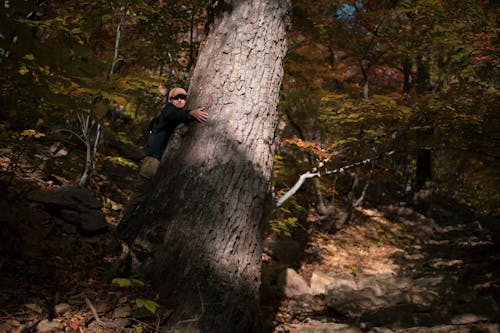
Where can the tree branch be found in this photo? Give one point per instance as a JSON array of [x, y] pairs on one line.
[[309, 174], [72, 132]]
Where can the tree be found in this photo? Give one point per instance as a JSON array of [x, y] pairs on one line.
[[201, 231]]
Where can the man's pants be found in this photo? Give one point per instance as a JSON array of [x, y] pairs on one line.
[[149, 167]]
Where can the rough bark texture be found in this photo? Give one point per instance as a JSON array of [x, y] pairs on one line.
[[201, 232]]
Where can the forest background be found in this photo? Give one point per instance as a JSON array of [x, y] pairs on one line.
[[382, 101], [408, 87]]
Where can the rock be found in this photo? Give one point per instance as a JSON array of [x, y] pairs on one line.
[[482, 309], [442, 329], [492, 225], [286, 250], [123, 312], [70, 197], [328, 328], [75, 206], [467, 318], [92, 222], [487, 328], [319, 282], [46, 326], [70, 216], [6, 327], [380, 330], [62, 308], [353, 303], [65, 226], [405, 315], [294, 284], [345, 282], [89, 222]]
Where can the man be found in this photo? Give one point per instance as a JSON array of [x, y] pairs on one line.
[[172, 115]]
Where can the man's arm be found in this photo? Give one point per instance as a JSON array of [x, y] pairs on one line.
[[198, 114]]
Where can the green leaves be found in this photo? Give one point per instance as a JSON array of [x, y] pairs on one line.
[[124, 282], [148, 304]]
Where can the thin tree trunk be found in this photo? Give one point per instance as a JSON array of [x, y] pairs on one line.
[[406, 76], [201, 232]]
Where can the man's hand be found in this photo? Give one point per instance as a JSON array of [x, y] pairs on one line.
[[199, 115]]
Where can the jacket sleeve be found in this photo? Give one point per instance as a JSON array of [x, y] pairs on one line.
[[171, 116]]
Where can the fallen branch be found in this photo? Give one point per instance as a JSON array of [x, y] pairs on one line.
[[97, 319]]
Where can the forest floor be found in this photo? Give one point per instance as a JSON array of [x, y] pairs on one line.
[[392, 268]]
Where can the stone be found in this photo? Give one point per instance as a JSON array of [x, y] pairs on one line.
[[70, 197], [404, 315], [328, 328], [467, 318], [492, 225], [380, 330], [46, 326], [62, 308], [294, 284], [485, 308], [123, 312], [344, 283], [93, 222], [486, 328], [319, 282], [73, 205], [286, 250]]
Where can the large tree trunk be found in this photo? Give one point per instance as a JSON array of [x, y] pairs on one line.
[[201, 232]]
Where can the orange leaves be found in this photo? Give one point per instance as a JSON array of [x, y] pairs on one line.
[[75, 322], [308, 147]]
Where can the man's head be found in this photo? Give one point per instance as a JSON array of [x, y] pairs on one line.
[[177, 96]]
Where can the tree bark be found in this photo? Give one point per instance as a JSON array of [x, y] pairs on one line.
[[201, 231]]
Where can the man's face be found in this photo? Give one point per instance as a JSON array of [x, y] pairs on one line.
[[179, 101]]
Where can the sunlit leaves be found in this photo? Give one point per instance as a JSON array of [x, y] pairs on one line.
[[125, 282], [31, 133], [148, 304]]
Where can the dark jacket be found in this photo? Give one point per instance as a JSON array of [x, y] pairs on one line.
[[170, 117]]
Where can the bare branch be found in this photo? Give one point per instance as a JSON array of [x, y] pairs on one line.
[[72, 132], [309, 174], [96, 316], [296, 187]]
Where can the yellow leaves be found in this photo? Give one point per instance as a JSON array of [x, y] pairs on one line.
[[123, 162], [30, 57], [139, 328], [31, 133], [120, 100], [23, 70]]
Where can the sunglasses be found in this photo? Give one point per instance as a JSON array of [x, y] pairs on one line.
[[178, 97]]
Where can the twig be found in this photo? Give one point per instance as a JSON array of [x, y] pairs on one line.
[[71, 132], [158, 324], [97, 319]]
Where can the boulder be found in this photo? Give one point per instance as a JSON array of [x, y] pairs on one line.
[[74, 206], [70, 197], [294, 284], [319, 282]]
